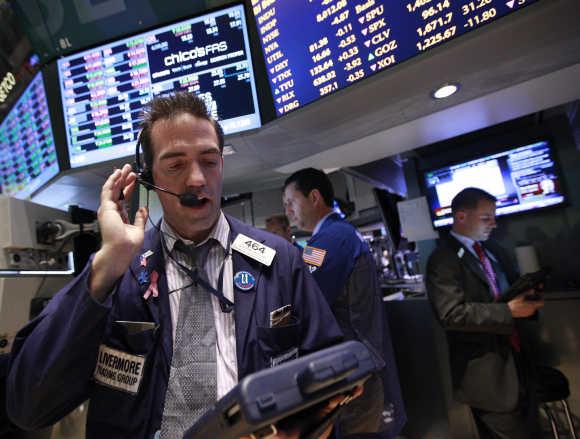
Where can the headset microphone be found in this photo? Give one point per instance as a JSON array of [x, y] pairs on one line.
[[186, 199]]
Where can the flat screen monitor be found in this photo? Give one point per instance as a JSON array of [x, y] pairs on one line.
[[522, 179], [314, 48], [105, 89], [28, 157]]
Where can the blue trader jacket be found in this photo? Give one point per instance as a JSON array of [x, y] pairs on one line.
[[55, 355], [344, 268]]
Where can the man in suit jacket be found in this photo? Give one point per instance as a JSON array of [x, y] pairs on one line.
[[115, 333], [465, 280]]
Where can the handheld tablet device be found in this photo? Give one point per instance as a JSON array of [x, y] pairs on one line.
[[296, 387], [524, 283]]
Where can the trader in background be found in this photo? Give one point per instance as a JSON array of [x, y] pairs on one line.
[[279, 225], [466, 275], [344, 268], [161, 324]]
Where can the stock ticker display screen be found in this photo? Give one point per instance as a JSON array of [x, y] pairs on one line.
[[28, 157], [522, 179], [315, 47], [104, 89]]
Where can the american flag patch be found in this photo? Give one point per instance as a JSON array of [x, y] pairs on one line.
[[313, 255]]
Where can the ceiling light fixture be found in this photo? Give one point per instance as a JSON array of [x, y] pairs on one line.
[[228, 149], [445, 90]]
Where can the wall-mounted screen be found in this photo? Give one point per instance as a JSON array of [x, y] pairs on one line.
[[522, 179], [27, 153], [104, 89], [313, 48]]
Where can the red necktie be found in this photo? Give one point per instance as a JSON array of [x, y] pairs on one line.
[[492, 280], [487, 268]]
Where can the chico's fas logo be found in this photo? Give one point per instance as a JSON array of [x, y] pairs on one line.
[[196, 52]]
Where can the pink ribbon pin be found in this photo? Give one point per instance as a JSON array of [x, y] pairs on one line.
[[152, 290]]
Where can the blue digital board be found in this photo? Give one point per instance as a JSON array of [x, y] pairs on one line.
[[314, 47], [105, 89], [28, 157]]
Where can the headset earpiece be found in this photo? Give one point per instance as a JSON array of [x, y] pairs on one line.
[[142, 172], [146, 176]]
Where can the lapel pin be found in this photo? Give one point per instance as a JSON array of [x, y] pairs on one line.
[[143, 258], [143, 277], [244, 280], [152, 289]]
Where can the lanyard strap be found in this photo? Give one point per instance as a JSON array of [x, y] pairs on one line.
[[226, 305]]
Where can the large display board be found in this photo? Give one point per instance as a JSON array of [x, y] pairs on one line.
[[104, 89], [28, 157], [522, 179], [315, 47]]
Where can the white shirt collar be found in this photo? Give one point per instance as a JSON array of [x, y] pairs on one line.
[[465, 240], [319, 224], [220, 232], [468, 243]]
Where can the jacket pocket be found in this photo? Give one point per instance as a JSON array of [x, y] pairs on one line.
[[133, 337], [279, 343], [120, 395], [122, 376]]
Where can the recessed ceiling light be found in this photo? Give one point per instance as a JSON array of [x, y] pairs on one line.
[[445, 90], [228, 149]]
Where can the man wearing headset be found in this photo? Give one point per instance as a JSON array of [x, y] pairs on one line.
[[116, 333]]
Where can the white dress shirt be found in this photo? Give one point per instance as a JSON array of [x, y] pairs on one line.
[[226, 359], [468, 243]]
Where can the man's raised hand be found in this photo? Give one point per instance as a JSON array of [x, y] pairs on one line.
[[121, 240]]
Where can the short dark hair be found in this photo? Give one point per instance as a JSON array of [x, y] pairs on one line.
[[167, 107], [469, 198], [279, 219], [308, 179]]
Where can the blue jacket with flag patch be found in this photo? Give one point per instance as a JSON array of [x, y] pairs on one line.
[[345, 271]]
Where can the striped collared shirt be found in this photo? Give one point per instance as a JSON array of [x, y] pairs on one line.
[[227, 369]]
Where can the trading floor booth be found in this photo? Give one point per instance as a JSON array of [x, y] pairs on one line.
[[30, 273]]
